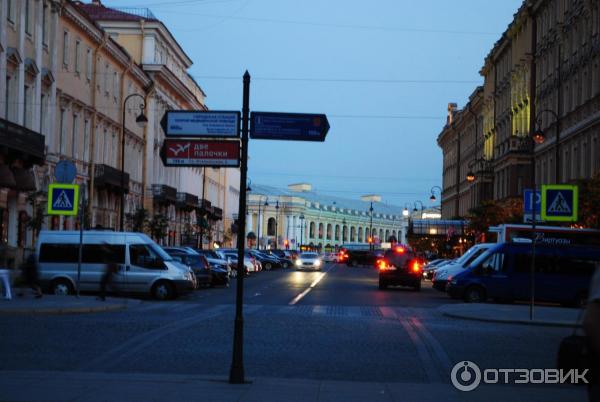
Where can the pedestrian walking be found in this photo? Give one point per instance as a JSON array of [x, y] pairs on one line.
[[30, 274], [110, 271], [591, 326]]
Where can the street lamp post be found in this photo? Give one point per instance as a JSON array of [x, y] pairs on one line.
[[141, 120], [259, 224], [277, 225], [432, 198], [371, 227], [301, 230]]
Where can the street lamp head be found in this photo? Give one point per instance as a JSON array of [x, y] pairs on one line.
[[141, 120], [539, 137], [432, 198], [470, 176], [405, 212]]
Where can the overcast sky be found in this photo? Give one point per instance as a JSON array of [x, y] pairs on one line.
[[383, 71]]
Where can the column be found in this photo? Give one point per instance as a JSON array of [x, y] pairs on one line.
[[3, 46], [249, 222], [20, 77], [37, 13]]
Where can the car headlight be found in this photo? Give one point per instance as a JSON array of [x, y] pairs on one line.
[[298, 262], [317, 263]]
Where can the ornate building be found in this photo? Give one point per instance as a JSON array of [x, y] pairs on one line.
[[542, 74]]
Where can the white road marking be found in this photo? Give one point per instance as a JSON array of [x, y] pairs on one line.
[[299, 297]]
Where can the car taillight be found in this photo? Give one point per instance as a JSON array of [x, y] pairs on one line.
[[415, 266], [384, 266], [400, 250]]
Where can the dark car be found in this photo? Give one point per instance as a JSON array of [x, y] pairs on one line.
[[284, 257], [354, 257], [195, 261], [268, 262], [400, 267]]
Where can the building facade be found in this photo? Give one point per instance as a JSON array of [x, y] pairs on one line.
[[542, 74], [301, 216], [74, 78]]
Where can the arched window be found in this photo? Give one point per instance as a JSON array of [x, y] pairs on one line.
[[337, 232], [380, 235], [387, 235], [367, 232], [329, 231], [271, 227], [345, 233], [360, 234], [320, 230], [311, 230], [352, 233]]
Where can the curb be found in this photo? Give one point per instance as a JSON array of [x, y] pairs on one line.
[[559, 324], [63, 310]]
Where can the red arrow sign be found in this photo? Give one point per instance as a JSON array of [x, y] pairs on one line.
[[209, 153]]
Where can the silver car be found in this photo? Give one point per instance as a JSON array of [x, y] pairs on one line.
[[309, 260]]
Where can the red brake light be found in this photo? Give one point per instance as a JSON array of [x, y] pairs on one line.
[[400, 250], [415, 266]]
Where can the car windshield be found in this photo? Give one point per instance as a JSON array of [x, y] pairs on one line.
[[309, 255]]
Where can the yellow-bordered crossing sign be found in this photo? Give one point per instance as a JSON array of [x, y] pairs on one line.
[[560, 203], [63, 199]]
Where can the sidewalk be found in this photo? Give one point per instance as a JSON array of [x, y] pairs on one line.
[[131, 387], [50, 304], [513, 314]]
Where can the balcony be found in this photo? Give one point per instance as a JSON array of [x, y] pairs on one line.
[[110, 178], [204, 207], [18, 142], [164, 194], [187, 200]]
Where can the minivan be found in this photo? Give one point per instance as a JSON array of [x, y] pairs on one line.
[[562, 274], [143, 266]]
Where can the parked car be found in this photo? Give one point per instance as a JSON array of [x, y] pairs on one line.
[[562, 274], [195, 261], [430, 268], [308, 260], [440, 277], [250, 262], [215, 260], [284, 256], [330, 257], [400, 267], [267, 261], [144, 267]]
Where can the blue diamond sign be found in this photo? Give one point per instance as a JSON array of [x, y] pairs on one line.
[[559, 203], [63, 199]]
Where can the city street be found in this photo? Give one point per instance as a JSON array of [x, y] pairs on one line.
[[334, 325]]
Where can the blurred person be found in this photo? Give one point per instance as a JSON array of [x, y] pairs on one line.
[[31, 277], [109, 273], [591, 326]]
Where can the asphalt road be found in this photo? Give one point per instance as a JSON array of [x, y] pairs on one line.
[[333, 325]]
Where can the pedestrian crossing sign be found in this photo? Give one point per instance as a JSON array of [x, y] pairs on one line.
[[559, 203], [63, 199]]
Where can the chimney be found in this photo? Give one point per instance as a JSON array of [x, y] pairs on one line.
[[451, 111]]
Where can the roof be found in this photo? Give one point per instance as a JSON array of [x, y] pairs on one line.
[[326, 199], [97, 11]]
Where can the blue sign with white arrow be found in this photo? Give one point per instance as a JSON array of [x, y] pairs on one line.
[[288, 126]]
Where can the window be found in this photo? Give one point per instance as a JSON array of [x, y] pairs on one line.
[[144, 256], [106, 74], [43, 112], [86, 140], [45, 26], [103, 254], [115, 84], [74, 136], [68, 253], [66, 48], [10, 12], [494, 264], [77, 63], [61, 136], [7, 97], [28, 17], [26, 100], [88, 64]]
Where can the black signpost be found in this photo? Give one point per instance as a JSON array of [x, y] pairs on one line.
[[206, 138]]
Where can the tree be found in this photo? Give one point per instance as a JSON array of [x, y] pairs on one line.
[[158, 226], [589, 201], [37, 201], [138, 221], [493, 213]]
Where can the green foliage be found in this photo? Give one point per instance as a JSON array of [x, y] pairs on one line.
[[37, 200], [589, 202], [493, 213], [158, 226], [139, 220]]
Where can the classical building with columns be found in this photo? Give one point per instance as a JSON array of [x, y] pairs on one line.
[[304, 217]]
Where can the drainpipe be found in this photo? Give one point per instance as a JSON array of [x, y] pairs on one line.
[[94, 82]]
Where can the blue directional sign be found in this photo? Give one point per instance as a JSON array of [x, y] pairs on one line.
[[288, 126], [201, 123], [63, 199], [559, 203]]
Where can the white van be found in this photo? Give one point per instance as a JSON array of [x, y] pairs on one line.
[[144, 267]]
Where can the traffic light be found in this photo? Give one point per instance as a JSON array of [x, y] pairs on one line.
[[286, 243], [370, 240]]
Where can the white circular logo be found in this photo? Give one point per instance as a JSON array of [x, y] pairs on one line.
[[465, 376]]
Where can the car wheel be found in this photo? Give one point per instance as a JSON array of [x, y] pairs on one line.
[[475, 294], [163, 290], [285, 265], [268, 266], [382, 285], [62, 287]]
